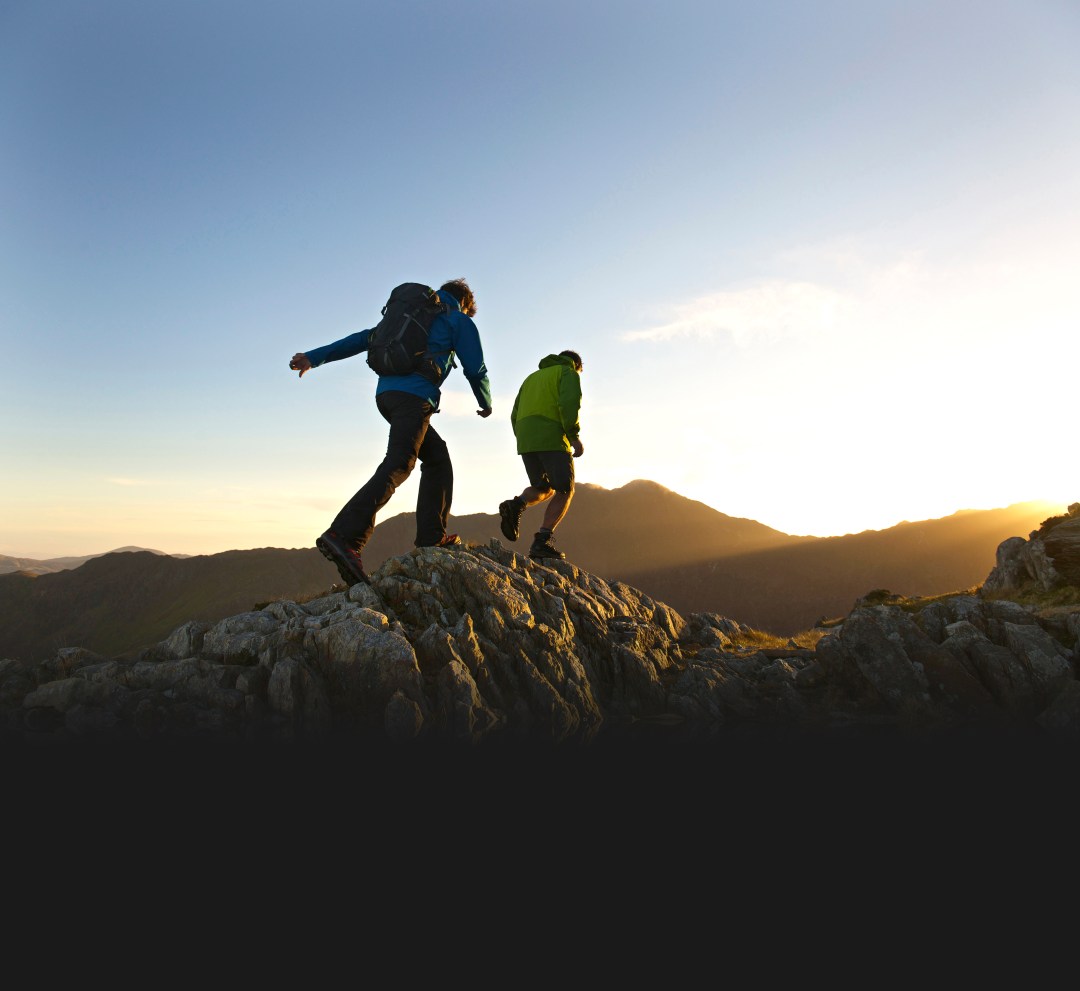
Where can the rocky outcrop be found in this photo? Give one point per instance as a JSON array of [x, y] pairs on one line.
[[1049, 559], [480, 645]]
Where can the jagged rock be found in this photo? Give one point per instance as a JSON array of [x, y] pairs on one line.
[[1050, 557], [1012, 568], [1062, 544], [479, 644]]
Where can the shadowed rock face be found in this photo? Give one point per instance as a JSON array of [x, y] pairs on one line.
[[1049, 559], [1063, 547], [480, 646]]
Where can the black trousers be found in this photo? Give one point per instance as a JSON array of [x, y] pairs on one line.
[[412, 439]]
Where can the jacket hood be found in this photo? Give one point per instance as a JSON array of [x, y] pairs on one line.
[[556, 359]]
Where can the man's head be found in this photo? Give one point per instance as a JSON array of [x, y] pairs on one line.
[[459, 289], [573, 356]]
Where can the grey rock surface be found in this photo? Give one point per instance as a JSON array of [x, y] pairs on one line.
[[480, 646]]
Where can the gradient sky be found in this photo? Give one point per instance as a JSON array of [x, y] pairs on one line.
[[819, 256]]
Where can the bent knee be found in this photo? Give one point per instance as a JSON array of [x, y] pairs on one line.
[[435, 453]]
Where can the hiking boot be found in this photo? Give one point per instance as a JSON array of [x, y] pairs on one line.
[[510, 518], [343, 556], [542, 547], [447, 540]]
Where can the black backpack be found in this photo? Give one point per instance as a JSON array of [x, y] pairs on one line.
[[398, 344]]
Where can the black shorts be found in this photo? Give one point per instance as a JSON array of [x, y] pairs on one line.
[[550, 470]]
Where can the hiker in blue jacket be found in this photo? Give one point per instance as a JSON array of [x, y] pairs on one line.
[[407, 403]]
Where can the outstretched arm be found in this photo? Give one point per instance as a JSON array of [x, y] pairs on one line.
[[304, 361]]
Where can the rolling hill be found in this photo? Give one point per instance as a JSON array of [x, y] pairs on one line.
[[675, 549]]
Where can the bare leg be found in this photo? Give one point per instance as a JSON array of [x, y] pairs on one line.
[[531, 496], [556, 509]]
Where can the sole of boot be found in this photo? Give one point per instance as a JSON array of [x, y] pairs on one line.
[[342, 569], [509, 521]]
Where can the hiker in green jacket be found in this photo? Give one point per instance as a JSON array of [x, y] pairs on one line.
[[545, 422]]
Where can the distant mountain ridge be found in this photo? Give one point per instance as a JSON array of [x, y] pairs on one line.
[[674, 549], [696, 558], [610, 532], [790, 588], [51, 565], [119, 602]]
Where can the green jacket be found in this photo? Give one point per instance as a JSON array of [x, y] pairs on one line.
[[545, 413]]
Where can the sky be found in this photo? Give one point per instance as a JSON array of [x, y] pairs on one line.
[[819, 257]]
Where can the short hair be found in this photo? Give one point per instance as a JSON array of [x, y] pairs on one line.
[[573, 356], [459, 289]]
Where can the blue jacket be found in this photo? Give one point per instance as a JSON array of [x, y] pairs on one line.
[[452, 333]]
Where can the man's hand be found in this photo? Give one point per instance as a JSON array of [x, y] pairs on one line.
[[484, 412], [579, 448], [299, 363]]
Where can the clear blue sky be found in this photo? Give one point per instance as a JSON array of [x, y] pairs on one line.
[[820, 258]]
